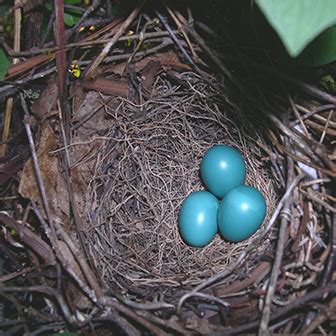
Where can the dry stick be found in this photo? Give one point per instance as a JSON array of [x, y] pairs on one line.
[[91, 71], [318, 200], [180, 46], [316, 154], [37, 170], [72, 201], [140, 42], [6, 90], [122, 322], [326, 126], [297, 114], [87, 44], [44, 290], [304, 160], [9, 105], [181, 29], [205, 47], [316, 294], [278, 257], [90, 293], [315, 111], [168, 324], [85, 15], [87, 271], [319, 319], [134, 316]]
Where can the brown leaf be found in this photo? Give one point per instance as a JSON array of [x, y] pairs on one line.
[[45, 103], [54, 183], [149, 73]]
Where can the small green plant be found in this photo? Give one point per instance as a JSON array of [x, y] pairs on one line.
[[4, 63]]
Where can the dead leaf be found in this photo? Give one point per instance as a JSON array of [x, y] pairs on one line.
[[54, 182], [149, 73], [169, 61], [45, 103]]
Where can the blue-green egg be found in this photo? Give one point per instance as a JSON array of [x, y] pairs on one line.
[[241, 213], [198, 218], [222, 169]]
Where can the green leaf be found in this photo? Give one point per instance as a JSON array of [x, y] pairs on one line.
[[70, 20], [72, 2], [322, 50], [4, 64], [298, 22]]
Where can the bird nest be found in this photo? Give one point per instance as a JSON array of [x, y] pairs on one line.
[[148, 164], [90, 239]]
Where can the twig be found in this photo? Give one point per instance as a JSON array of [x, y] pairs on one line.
[[59, 33], [86, 44], [9, 105], [282, 202], [318, 200], [134, 316], [47, 29], [44, 290], [36, 166], [209, 281], [180, 46], [326, 126], [11, 276], [140, 40], [278, 257], [211, 53], [315, 111], [90, 72], [29, 238], [88, 273], [297, 114], [143, 306], [67, 172], [313, 295], [181, 29], [90, 293], [85, 15]]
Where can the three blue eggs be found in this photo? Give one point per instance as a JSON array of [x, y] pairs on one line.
[[230, 207]]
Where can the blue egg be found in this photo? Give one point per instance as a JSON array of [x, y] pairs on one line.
[[241, 213], [198, 218], [222, 169]]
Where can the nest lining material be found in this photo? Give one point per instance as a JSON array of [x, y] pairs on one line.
[[147, 166]]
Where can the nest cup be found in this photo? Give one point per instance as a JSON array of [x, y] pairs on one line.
[[148, 164]]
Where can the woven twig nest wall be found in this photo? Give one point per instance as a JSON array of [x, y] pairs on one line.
[[148, 164]]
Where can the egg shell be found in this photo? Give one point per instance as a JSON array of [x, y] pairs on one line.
[[222, 169], [198, 218], [241, 213]]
